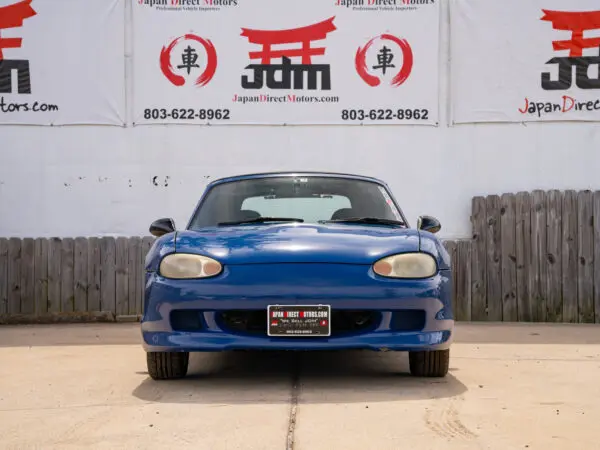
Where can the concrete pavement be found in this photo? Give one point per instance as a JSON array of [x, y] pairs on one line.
[[509, 387]]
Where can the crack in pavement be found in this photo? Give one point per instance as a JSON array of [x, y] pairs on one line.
[[294, 401]]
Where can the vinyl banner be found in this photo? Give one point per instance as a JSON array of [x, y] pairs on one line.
[[286, 62], [525, 61], [62, 62]]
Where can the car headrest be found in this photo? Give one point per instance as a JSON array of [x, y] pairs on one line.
[[344, 213], [247, 214]]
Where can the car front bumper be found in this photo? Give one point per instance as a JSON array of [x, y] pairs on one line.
[[407, 315]]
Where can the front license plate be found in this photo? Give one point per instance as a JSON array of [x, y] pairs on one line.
[[299, 320]]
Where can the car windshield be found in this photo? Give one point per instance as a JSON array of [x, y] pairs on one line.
[[304, 198]]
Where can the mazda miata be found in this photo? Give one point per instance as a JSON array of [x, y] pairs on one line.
[[297, 261]]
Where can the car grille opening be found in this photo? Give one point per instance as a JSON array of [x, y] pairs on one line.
[[186, 320], [254, 322], [342, 321], [408, 320]]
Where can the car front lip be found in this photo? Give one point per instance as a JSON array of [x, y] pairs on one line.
[[213, 342]]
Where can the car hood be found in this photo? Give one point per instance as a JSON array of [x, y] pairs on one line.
[[298, 243]]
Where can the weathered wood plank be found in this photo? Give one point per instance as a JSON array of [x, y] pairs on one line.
[[107, 278], [494, 259], [93, 274], [523, 249], [134, 268], [81, 258], [463, 281], [509, 258], [14, 276], [585, 256], [478, 261], [27, 276], [147, 243], [54, 269], [596, 255], [67, 275], [538, 273], [3, 275], [450, 247], [41, 275], [554, 259], [569, 257], [122, 276]]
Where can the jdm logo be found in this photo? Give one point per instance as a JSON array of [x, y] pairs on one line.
[[292, 73], [385, 61], [196, 55], [577, 23], [13, 16]]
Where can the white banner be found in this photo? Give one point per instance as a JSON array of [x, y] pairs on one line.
[[284, 62], [62, 62], [525, 61]]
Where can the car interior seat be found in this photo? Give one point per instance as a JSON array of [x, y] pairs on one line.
[[344, 213], [247, 214]]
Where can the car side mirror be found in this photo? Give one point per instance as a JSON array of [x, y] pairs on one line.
[[161, 227], [428, 223]]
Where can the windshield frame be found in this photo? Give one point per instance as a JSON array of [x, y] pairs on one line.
[[348, 177]]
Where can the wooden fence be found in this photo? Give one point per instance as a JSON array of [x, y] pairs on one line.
[[71, 279], [530, 259]]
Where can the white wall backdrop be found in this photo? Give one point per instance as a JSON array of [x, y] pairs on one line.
[[94, 180]]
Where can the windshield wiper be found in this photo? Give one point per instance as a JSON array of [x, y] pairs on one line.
[[262, 220], [371, 220]]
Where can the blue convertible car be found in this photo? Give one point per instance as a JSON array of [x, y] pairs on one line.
[[297, 261]]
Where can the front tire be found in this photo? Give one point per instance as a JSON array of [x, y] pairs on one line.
[[167, 365], [432, 363]]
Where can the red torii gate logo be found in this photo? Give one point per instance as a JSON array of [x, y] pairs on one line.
[[577, 23], [304, 36], [13, 16]]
